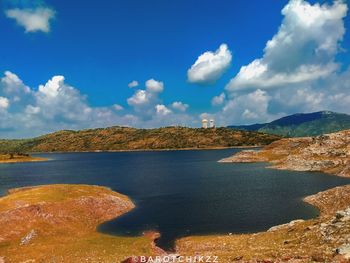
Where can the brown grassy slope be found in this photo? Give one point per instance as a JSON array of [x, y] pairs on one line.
[[57, 223], [315, 240], [328, 153], [122, 138]]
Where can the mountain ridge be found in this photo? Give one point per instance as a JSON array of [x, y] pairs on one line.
[[302, 124]]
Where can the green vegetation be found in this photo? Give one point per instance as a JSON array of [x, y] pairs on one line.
[[302, 125], [124, 138]]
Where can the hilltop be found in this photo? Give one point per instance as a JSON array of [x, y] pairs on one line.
[[302, 124], [124, 138]]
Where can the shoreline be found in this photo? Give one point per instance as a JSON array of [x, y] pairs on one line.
[[327, 202], [27, 159], [300, 240], [157, 150], [325, 238]]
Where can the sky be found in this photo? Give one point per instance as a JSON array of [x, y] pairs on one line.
[[153, 63]]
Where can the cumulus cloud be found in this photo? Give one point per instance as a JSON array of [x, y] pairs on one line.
[[162, 110], [298, 71], [180, 106], [117, 107], [133, 84], [140, 97], [144, 101], [210, 66], [154, 86], [4, 103], [303, 49], [57, 105], [33, 20], [251, 107], [218, 100]]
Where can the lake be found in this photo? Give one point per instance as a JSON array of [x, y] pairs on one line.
[[181, 193]]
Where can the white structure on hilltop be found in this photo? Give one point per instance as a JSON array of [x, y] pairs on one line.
[[208, 124], [211, 123], [205, 123]]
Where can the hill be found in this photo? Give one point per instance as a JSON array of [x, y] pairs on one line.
[[124, 138], [303, 124]]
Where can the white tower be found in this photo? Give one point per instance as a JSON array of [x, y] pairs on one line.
[[211, 123], [205, 123]]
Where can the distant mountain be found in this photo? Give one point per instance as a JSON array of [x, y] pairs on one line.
[[124, 138], [302, 124]]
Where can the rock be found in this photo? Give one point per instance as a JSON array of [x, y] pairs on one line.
[[344, 250], [317, 257], [29, 237], [288, 225]]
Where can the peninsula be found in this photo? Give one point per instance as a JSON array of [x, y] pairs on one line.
[[329, 153], [57, 223]]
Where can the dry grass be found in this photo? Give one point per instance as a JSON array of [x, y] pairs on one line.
[[64, 218]]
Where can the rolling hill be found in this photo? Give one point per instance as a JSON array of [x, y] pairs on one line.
[[302, 124], [124, 138]]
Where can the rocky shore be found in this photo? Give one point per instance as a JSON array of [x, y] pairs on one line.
[[57, 223], [323, 239], [328, 153]]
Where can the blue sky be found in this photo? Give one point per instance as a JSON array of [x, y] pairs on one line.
[[101, 46]]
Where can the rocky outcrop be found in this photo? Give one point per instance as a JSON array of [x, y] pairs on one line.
[[328, 153]]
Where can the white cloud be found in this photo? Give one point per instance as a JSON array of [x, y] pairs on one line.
[[140, 97], [218, 100], [303, 49], [118, 107], [133, 84], [154, 86], [57, 105], [144, 101], [251, 107], [210, 66], [13, 85], [180, 106], [30, 109], [162, 110], [32, 20], [298, 71], [4, 103]]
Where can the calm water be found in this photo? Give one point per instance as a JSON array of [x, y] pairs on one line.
[[181, 193]]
